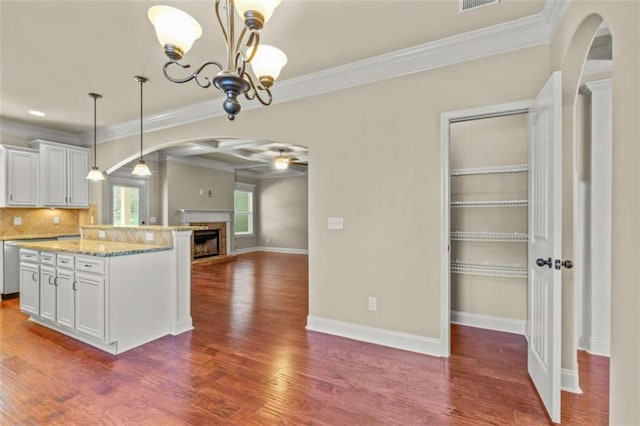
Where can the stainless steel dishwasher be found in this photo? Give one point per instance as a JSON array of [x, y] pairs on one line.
[[11, 269]]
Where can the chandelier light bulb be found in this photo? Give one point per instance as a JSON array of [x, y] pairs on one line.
[[174, 28], [268, 62], [263, 7], [281, 162]]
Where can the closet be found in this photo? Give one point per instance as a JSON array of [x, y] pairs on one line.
[[489, 208]]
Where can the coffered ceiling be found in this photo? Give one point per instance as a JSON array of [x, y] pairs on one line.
[[53, 53]]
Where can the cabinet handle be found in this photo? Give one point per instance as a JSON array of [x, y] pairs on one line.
[[50, 283], [74, 286], [34, 276], [86, 265], [10, 197], [55, 281]]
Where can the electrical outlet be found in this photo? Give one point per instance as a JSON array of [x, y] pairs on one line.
[[102, 234], [373, 303], [148, 236], [17, 220], [56, 220], [152, 219]]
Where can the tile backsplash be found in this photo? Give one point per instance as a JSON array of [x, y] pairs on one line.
[[41, 220]]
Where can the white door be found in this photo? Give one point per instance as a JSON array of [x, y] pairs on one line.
[[77, 184], [89, 305], [48, 293], [30, 288], [53, 170], [21, 178], [65, 298], [545, 238]]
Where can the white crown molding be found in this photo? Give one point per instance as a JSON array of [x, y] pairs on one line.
[[597, 66], [378, 336], [599, 85], [31, 132], [518, 34], [489, 322]]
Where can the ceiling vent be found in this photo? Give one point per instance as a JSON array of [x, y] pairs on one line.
[[467, 5]]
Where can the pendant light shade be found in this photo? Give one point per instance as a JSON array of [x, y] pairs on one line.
[[141, 168], [95, 174]]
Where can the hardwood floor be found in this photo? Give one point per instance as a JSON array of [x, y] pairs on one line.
[[251, 361]]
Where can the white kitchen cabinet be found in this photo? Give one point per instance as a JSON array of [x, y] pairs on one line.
[[19, 176], [65, 294], [47, 292], [30, 288], [63, 171], [89, 289]]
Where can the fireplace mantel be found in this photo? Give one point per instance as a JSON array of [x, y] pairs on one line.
[[188, 216]]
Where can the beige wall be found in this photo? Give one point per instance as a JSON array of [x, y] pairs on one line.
[[482, 143], [283, 216], [355, 132], [184, 182]]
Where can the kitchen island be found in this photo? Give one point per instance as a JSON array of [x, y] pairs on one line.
[[115, 288]]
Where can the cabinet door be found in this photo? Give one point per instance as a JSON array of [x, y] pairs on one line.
[[21, 178], [90, 305], [47, 293], [29, 288], [65, 298], [53, 165], [77, 185]]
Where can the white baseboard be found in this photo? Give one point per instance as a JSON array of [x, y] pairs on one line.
[[272, 250], [379, 336], [599, 347], [569, 381], [490, 322]]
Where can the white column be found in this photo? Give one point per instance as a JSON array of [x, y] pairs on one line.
[[601, 145], [181, 284]]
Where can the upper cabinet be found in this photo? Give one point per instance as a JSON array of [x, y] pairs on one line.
[[63, 171], [18, 177]]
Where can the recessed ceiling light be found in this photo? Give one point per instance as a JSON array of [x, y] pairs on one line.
[[37, 113]]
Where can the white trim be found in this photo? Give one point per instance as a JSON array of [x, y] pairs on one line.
[[282, 250], [599, 347], [30, 132], [378, 336], [445, 265], [569, 381], [530, 31], [593, 66], [489, 322]]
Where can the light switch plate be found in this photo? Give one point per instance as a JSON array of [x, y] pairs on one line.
[[102, 234], [336, 223], [56, 220], [152, 219], [148, 236], [17, 220]]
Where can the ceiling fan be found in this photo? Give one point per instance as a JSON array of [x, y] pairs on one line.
[[282, 162]]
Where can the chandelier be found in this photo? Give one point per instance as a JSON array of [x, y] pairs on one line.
[[177, 30]]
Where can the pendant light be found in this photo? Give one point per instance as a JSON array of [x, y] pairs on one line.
[[95, 174], [141, 168]]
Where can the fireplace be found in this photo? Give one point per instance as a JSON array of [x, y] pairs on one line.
[[220, 221], [206, 243]]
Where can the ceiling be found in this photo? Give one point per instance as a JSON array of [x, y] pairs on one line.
[[53, 53]]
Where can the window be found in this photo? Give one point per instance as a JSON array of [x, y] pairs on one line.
[[243, 209], [127, 201]]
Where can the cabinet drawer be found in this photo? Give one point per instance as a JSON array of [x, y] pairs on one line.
[[90, 264], [47, 258], [65, 261], [29, 255]]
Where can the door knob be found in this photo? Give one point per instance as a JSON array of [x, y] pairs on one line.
[[567, 264], [541, 262]]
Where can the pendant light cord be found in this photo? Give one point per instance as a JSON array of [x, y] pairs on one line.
[[95, 121], [141, 83]]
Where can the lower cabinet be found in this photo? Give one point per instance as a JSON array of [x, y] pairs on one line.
[[89, 291], [30, 288], [53, 290]]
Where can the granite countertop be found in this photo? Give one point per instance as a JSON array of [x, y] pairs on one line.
[[37, 236], [93, 247], [146, 227]]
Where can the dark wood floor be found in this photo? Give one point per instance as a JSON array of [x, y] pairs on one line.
[[250, 361]]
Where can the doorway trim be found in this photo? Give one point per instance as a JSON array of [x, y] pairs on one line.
[[446, 118]]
